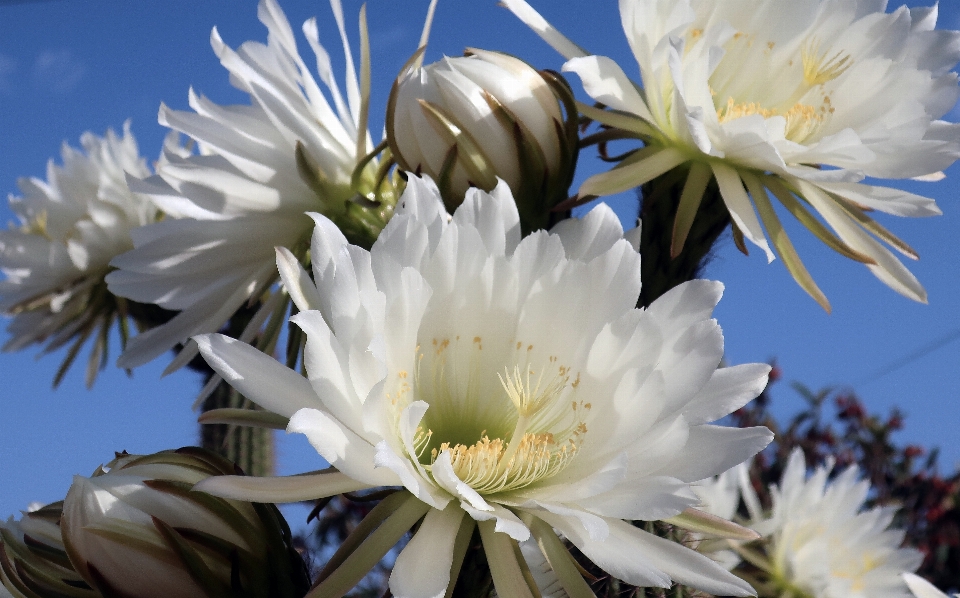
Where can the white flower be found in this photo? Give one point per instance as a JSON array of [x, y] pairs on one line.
[[821, 544], [803, 101], [71, 226], [922, 588], [260, 168], [468, 120], [512, 381], [135, 529]]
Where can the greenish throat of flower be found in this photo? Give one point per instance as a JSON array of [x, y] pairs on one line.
[[503, 430]]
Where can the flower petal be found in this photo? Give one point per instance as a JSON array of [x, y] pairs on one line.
[[257, 376], [341, 447]]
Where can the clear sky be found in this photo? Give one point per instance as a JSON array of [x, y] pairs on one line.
[[68, 66]]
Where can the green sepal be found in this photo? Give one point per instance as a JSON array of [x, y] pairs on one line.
[[617, 119], [525, 571], [781, 242], [287, 572], [193, 563], [697, 180], [738, 238], [364, 84], [702, 522], [461, 544], [220, 508], [244, 417], [52, 554], [349, 573], [559, 559], [794, 206], [469, 153], [568, 137], [626, 175], [411, 65], [506, 572], [367, 525], [874, 227]]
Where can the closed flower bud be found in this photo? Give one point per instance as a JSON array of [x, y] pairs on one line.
[[33, 561], [467, 121], [136, 528]]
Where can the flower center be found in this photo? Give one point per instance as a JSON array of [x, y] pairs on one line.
[[502, 430], [782, 86], [802, 120]]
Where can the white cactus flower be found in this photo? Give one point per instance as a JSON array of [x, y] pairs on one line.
[[821, 543], [504, 382], [260, 168], [803, 102], [70, 227]]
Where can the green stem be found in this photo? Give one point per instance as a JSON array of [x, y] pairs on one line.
[[660, 199]]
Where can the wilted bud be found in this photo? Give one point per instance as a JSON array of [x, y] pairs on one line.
[[466, 121], [137, 529], [33, 561]]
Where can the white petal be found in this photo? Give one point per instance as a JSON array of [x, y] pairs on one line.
[[684, 565], [297, 282], [444, 475], [644, 499], [545, 30], [495, 217], [620, 554], [739, 206], [727, 390], [507, 522], [257, 376], [605, 82], [711, 450], [343, 448], [410, 477]]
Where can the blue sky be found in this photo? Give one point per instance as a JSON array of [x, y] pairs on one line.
[[68, 66]]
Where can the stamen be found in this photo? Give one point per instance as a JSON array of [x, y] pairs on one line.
[[817, 68]]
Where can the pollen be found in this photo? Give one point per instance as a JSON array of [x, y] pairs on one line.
[[803, 120], [818, 68], [490, 466]]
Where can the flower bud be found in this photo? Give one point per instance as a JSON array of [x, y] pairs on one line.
[[467, 121], [33, 561], [137, 529]]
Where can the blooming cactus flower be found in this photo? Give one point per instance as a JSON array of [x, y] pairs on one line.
[[33, 560], [260, 169], [792, 101], [436, 363], [136, 529], [467, 121], [820, 543], [56, 258]]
